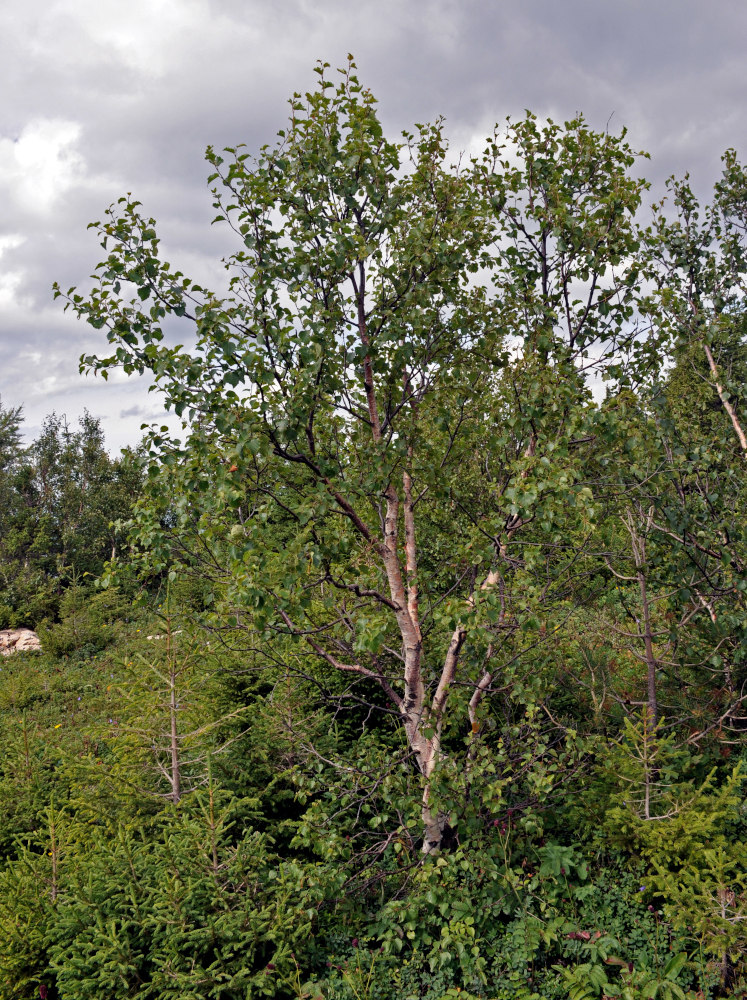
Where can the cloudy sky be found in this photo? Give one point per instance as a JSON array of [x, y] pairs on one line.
[[103, 97]]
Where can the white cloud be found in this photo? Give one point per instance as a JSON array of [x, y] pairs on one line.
[[41, 164], [9, 241], [9, 279], [9, 283]]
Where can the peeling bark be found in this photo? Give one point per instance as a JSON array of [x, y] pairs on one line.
[[732, 413]]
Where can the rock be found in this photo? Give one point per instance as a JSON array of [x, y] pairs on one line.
[[18, 640]]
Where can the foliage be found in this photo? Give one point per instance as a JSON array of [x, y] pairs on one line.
[[88, 621], [59, 502], [434, 685], [11, 449]]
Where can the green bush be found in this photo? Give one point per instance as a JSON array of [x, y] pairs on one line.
[[88, 622]]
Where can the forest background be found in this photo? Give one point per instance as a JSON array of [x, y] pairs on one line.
[[415, 666]]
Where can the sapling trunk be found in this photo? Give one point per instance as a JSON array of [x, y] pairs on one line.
[[54, 853], [175, 770]]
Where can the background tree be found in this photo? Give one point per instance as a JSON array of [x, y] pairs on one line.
[[10, 435], [699, 304], [60, 500]]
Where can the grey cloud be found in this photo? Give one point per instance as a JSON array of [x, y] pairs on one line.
[[151, 85]]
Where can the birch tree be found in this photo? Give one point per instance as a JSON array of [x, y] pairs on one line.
[[388, 412]]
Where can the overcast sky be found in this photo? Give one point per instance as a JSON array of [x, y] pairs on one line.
[[103, 97]]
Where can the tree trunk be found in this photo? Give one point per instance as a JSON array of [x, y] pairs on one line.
[[732, 413], [651, 662], [175, 770]]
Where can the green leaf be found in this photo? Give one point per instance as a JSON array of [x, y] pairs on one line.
[[675, 964]]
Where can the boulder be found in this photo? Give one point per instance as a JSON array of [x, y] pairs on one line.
[[18, 640]]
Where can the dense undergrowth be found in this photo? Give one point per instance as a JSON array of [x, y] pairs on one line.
[[279, 874]]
